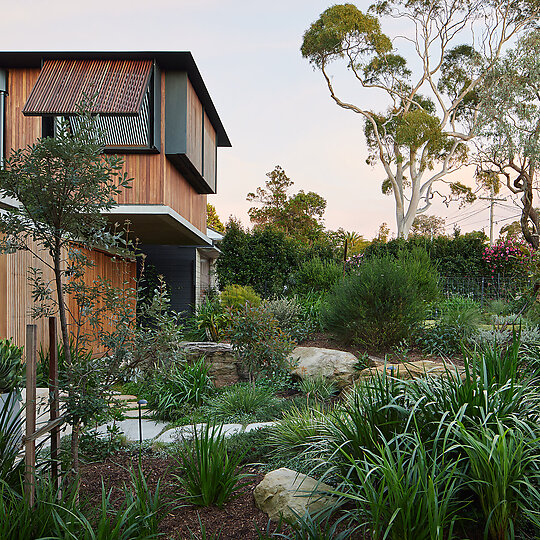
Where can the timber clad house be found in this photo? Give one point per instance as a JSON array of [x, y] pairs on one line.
[[157, 114]]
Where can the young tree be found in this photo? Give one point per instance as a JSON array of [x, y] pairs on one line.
[[298, 216], [509, 148], [62, 185], [432, 107]]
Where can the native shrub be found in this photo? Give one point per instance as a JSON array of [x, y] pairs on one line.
[[382, 301], [316, 275], [236, 296], [257, 340]]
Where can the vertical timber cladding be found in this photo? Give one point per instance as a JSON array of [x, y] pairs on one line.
[[20, 130], [120, 273]]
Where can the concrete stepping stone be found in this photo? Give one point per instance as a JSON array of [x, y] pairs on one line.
[[186, 432], [258, 425], [130, 428]]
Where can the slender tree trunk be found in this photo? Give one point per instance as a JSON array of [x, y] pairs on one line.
[[76, 428], [68, 362]]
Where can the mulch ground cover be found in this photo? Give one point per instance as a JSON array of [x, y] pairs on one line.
[[238, 519]]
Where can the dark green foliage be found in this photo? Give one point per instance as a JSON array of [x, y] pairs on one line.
[[266, 258], [245, 403], [253, 446], [11, 423], [57, 514], [382, 301], [11, 366], [316, 275], [209, 322], [460, 255], [262, 259], [208, 474], [172, 387], [459, 319]]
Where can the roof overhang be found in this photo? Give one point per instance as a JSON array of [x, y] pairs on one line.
[[166, 60], [158, 224]]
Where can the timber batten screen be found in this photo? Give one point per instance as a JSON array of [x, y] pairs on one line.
[[117, 87]]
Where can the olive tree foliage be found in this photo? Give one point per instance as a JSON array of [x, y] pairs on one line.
[[432, 110], [509, 147]]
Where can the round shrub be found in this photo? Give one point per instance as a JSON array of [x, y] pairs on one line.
[[382, 301], [238, 296], [317, 275]]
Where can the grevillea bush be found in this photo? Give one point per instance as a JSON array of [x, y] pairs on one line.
[[507, 257]]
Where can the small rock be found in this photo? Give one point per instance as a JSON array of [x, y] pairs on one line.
[[284, 492]]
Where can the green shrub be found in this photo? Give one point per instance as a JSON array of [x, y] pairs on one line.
[[209, 322], [11, 423], [316, 275], [382, 301], [290, 316], [319, 388], [502, 473], [257, 340], [168, 390], [11, 366], [404, 491], [311, 306], [458, 322], [208, 474], [295, 431], [242, 401], [253, 446], [235, 297]]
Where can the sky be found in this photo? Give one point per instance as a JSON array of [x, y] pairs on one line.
[[274, 106]]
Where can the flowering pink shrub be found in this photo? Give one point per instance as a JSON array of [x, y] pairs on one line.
[[355, 261], [507, 257]]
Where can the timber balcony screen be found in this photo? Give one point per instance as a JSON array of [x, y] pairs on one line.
[[120, 91]]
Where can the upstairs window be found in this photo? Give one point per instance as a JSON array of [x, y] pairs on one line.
[[121, 93]]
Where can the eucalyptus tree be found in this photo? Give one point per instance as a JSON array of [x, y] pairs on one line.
[[508, 150], [432, 112]]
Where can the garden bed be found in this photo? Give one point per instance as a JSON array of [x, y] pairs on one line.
[[237, 519]]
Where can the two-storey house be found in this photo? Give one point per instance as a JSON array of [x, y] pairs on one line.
[[157, 114]]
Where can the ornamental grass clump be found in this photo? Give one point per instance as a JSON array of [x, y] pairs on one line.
[[208, 473]]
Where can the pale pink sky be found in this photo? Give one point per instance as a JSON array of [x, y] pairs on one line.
[[275, 108]]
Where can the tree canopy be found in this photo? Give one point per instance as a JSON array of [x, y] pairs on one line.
[[212, 219], [432, 106], [299, 216], [509, 147]]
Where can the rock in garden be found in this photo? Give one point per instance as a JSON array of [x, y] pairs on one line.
[[408, 370], [284, 492], [224, 368], [338, 366]]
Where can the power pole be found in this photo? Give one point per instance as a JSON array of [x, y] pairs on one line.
[[492, 200]]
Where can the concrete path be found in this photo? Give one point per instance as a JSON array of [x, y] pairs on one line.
[[158, 430]]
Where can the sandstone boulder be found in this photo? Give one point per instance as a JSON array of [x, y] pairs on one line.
[[408, 370], [338, 366], [284, 492], [224, 368]]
